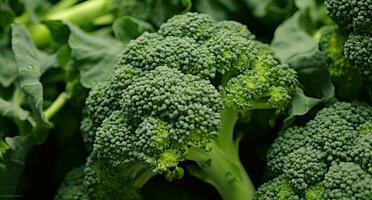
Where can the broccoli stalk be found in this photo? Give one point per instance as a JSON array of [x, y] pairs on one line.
[[83, 13], [221, 167]]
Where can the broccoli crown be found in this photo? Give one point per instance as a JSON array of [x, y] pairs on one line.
[[216, 51], [159, 114], [353, 16], [358, 49], [315, 158], [168, 89], [346, 79]]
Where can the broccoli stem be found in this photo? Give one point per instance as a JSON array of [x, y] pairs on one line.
[[53, 109], [221, 167], [142, 178], [80, 14]]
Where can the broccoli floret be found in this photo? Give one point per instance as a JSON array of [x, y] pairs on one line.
[[103, 181], [177, 94], [347, 81], [358, 49], [324, 158], [353, 16], [278, 188], [347, 180], [234, 28], [194, 25], [162, 112], [72, 187], [355, 20]]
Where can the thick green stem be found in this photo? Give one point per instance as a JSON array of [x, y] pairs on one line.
[[142, 178], [225, 172], [221, 167], [226, 134], [80, 14], [57, 105]]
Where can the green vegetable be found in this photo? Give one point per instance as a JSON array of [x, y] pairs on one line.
[[177, 94], [328, 158], [355, 21]]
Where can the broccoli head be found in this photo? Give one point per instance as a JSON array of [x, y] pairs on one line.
[[328, 158], [358, 49], [177, 94]]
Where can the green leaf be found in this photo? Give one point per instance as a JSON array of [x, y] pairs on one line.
[[31, 63], [11, 110], [299, 42], [128, 28], [7, 16], [165, 9], [95, 56], [316, 84], [272, 11], [300, 51], [13, 152], [154, 11], [218, 9], [8, 67]]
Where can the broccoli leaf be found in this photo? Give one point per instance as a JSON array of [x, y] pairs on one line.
[[128, 28], [31, 64], [11, 110], [8, 68], [95, 56], [300, 51]]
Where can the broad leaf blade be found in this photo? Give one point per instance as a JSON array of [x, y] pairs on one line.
[[30, 65]]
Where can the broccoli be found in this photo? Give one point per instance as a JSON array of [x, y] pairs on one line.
[[347, 80], [177, 95], [352, 16], [71, 188], [328, 158], [358, 49], [354, 19]]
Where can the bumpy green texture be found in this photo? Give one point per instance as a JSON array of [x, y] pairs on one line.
[[355, 20], [351, 15], [71, 188], [347, 80], [358, 49], [176, 95], [278, 188], [328, 158]]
